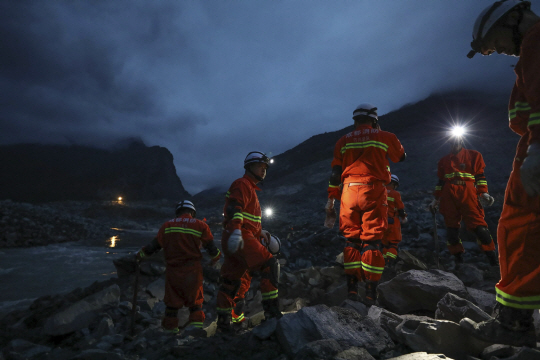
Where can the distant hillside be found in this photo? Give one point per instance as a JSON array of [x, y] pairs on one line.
[[302, 172], [38, 173]]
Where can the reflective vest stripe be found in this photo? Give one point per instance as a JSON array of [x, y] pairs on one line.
[[534, 119], [251, 217], [372, 269], [364, 144], [183, 230], [459, 174], [270, 295], [227, 194], [390, 198], [353, 265], [520, 302], [518, 106]]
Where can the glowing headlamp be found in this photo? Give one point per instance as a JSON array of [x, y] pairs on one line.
[[458, 131], [268, 212]]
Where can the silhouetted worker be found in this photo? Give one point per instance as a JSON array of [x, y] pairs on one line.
[[181, 239], [511, 28]]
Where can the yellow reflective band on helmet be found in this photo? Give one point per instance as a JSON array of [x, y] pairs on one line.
[[392, 255], [481, 182], [238, 319], [372, 269], [459, 174], [518, 106], [353, 265], [365, 144], [196, 324], [519, 302], [438, 188], [251, 217], [390, 198], [270, 295], [183, 230], [534, 119]]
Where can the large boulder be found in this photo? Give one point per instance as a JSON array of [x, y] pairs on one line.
[[80, 314], [484, 300], [453, 308], [439, 336], [347, 327], [418, 290]]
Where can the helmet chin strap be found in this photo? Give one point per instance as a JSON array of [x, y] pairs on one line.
[[255, 175]]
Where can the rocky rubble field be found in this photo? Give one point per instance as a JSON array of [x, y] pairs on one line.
[[417, 315]]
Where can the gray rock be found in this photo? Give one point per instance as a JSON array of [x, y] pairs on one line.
[[412, 260], [453, 308], [525, 353], [82, 313], [319, 350], [355, 306], [421, 356], [97, 354], [105, 327], [26, 348], [354, 353], [484, 300], [470, 274], [498, 350], [439, 336], [266, 329], [417, 290], [319, 322], [157, 289]]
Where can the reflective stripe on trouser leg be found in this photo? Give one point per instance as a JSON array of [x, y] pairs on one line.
[[372, 260], [352, 261], [518, 237], [196, 316]]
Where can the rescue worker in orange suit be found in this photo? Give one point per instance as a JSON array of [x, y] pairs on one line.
[[359, 175], [461, 194], [511, 28], [242, 245], [396, 217], [181, 239]]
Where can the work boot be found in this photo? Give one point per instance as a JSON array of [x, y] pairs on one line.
[[224, 323], [271, 309], [371, 292], [493, 258], [169, 323], [195, 331], [352, 287], [458, 258], [510, 326]]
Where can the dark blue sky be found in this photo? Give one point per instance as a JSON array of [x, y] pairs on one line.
[[212, 80]]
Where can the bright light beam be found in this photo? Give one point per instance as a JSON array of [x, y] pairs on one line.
[[268, 212], [458, 131]]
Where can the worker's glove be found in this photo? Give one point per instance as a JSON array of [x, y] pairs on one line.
[[235, 242], [530, 170], [486, 199], [404, 220], [331, 215], [434, 206], [140, 255], [266, 236]]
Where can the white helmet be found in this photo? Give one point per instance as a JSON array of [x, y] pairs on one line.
[[394, 178], [185, 204], [489, 17], [256, 157], [365, 109], [274, 246]]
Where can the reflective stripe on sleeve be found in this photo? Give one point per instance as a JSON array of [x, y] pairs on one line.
[[534, 119]]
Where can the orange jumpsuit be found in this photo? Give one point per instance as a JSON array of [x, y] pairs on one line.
[[181, 239], [519, 226], [392, 235], [363, 156], [239, 299], [242, 211], [461, 180]]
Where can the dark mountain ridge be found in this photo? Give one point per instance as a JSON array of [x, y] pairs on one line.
[[41, 173]]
